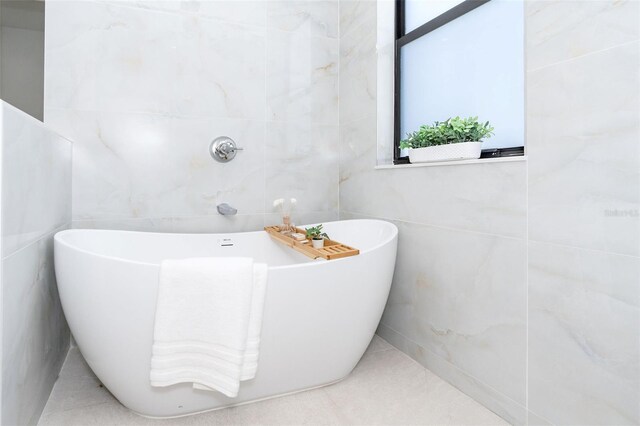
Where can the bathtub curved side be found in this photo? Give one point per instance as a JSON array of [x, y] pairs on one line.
[[318, 321]]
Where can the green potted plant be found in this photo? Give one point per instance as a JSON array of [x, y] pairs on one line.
[[454, 139], [316, 236]]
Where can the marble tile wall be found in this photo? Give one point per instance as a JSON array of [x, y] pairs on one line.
[[36, 203], [504, 267], [584, 211], [142, 87]]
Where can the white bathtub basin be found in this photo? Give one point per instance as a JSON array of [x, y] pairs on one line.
[[318, 320]]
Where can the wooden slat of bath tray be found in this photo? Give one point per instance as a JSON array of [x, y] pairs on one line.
[[331, 250]]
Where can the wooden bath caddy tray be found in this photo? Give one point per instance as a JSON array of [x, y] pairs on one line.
[[331, 250]]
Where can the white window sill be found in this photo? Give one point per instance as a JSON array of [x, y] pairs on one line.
[[452, 163]]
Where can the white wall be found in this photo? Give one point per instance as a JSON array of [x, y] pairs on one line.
[[22, 52], [22, 71], [583, 135], [36, 203], [517, 282], [143, 87]]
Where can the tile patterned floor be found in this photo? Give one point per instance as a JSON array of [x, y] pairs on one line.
[[387, 387]]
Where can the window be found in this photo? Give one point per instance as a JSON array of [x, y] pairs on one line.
[[461, 58]]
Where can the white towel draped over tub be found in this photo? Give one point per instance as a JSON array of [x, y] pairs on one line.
[[208, 323]]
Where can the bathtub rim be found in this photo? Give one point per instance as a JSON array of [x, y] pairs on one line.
[[59, 239]]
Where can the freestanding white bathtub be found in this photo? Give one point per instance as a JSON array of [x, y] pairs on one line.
[[319, 315]]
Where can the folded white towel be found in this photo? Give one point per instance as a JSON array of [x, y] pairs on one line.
[[208, 323], [250, 361]]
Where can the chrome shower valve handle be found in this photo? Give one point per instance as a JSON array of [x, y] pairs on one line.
[[223, 149]]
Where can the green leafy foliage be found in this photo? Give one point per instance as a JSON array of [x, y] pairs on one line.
[[315, 233], [453, 130]]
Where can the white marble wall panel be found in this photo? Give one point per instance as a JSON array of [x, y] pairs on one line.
[[36, 178], [462, 296], [584, 156], [354, 13], [36, 203], [187, 225], [305, 17], [357, 159], [385, 88], [299, 217], [294, 164], [302, 78], [130, 165], [35, 336], [432, 303], [499, 403], [120, 59], [250, 12], [358, 86], [488, 198], [562, 30], [205, 224], [584, 199], [143, 87], [584, 335]]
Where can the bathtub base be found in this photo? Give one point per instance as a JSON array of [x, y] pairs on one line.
[[240, 404]]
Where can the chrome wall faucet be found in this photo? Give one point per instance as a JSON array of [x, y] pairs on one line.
[[226, 210]]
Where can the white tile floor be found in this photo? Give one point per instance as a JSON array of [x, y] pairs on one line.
[[387, 387]]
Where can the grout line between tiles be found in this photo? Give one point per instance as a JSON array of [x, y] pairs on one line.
[[575, 58], [487, 234], [591, 250], [194, 116], [361, 24], [526, 271], [524, 238], [40, 238], [526, 203], [186, 13], [265, 116], [142, 218]]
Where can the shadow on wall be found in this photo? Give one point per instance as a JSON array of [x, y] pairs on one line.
[[22, 55]]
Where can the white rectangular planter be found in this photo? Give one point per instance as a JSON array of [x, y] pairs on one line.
[[449, 152]]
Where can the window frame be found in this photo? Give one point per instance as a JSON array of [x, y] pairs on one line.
[[402, 39]]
